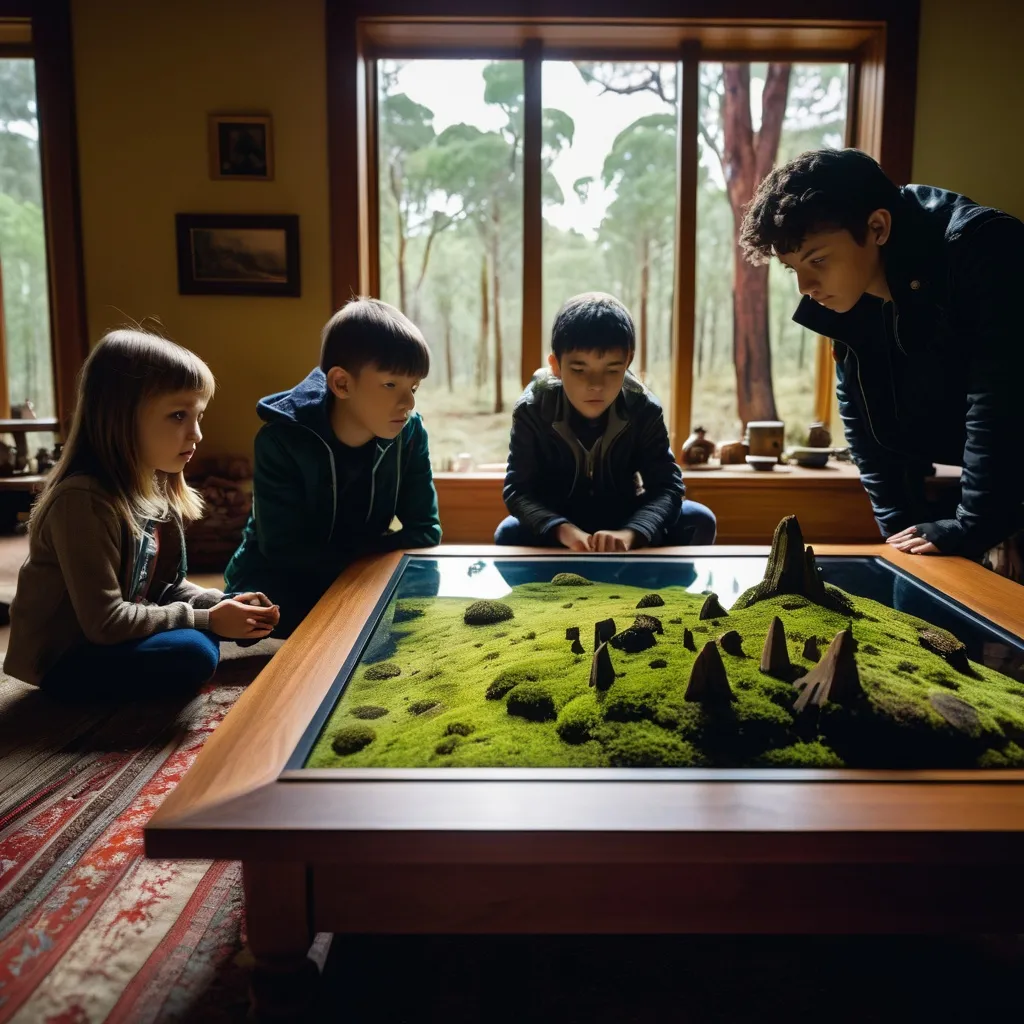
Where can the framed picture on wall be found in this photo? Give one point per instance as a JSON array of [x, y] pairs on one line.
[[241, 147], [238, 254]]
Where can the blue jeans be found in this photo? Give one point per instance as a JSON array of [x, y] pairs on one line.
[[173, 662], [695, 525]]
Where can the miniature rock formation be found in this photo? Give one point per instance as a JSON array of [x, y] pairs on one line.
[[792, 570], [956, 711], [650, 601], [651, 622], [603, 631], [602, 673], [572, 632], [577, 647], [712, 608], [811, 651], [633, 640], [947, 646], [688, 640], [732, 643], [709, 683], [834, 678], [775, 655]]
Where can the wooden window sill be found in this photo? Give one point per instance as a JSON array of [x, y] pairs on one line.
[[830, 502]]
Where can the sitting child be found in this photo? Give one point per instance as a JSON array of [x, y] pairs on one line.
[[581, 437], [102, 608], [341, 455]]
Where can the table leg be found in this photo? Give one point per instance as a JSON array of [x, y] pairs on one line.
[[285, 979]]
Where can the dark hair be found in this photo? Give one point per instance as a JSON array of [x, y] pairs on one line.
[[821, 190], [367, 332], [592, 322]]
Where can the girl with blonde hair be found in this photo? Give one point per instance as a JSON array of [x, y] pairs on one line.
[[102, 607]]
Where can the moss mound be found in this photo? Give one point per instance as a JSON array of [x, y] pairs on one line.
[[419, 707], [485, 613], [508, 680], [382, 670], [350, 739], [531, 701], [570, 579], [651, 601], [369, 711]]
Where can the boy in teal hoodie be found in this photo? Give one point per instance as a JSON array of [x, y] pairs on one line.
[[341, 456]]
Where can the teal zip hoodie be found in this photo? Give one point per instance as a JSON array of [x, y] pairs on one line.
[[311, 515]]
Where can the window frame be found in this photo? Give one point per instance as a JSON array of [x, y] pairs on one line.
[[879, 45], [44, 28]]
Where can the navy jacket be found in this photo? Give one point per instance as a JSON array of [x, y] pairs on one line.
[[552, 479], [936, 375]]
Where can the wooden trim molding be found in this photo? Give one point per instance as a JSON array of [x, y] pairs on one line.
[[55, 95]]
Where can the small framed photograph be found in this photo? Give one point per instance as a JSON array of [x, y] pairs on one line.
[[238, 254], [241, 147]]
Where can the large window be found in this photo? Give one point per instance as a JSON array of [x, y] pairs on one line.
[[750, 361], [25, 352], [500, 186]]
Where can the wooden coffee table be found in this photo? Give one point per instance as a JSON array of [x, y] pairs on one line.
[[577, 851]]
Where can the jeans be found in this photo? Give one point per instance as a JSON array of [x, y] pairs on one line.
[[694, 525], [172, 662]]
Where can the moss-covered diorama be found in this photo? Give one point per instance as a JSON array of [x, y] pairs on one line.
[[577, 673]]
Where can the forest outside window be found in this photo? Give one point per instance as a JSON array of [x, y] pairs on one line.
[[450, 145], [26, 366]]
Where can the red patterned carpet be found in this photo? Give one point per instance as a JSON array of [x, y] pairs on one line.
[[89, 929]]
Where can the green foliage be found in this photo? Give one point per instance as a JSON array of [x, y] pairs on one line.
[[508, 680], [532, 701], [570, 579]]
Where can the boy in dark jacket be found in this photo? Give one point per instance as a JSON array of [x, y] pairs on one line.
[[918, 288], [589, 466], [342, 455]]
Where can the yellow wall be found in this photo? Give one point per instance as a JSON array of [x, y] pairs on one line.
[[147, 74], [970, 94]]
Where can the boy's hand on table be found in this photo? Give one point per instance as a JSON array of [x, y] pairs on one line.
[[612, 540], [912, 543], [573, 538]]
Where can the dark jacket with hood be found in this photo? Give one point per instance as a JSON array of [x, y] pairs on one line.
[[318, 505], [552, 479], [936, 376]]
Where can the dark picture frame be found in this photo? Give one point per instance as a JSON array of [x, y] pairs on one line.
[[241, 147], [238, 254]]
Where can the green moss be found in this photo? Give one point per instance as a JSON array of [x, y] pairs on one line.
[[559, 720], [352, 738], [532, 701], [458, 729], [802, 755], [578, 719], [383, 670], [570, 579], [419, 707], [369, 711], [446, 746], [508, 680], [485, 613]]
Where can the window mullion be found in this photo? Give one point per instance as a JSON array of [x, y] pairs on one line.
[[533, 224], [684, 293]]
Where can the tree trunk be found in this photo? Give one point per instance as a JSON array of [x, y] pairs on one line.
[[485, 324], [499, 403], [701, 333], [446, 313], [748, 157], [396, 192], [645, 287]]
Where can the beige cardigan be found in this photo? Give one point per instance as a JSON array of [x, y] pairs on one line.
[[73, 588]]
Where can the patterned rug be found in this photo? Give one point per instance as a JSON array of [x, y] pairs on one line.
[[89, 929]]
